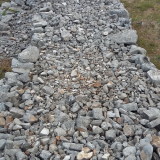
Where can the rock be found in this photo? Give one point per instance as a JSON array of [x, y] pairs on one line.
[[137, 50], [66, 35], [97, 113], [128, 130], [151, 114], [110, 134], [4, 27], [2, 144], [20, 155], [2, 107], [44, 132], [126, 37], [146, 152], [97, 130], [121, 12], [73, 146], [156, 141], [131, 157], [129, 150], [48, 90], [16, 112], [52, 148], [130, 107], [82, 155], [106, 156], [75, 107], [59, 132], [154, 75], [30, 54], [29, 118], [82, 122], [74, 73], [2, 122], [45, 155], [105, 88], [67, 158], [154, 123]]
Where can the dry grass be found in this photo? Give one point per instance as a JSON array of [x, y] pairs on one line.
[[145, 16], [5, 66]]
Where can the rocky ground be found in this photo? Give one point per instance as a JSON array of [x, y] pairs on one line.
[[80, 88]]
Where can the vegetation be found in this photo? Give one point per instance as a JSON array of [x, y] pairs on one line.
[[5, 66], [145, 16]]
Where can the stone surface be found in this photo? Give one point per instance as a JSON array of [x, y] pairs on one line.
[[126, 37], [30, 54]]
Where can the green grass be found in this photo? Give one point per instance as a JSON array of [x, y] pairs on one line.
[[145, 16]]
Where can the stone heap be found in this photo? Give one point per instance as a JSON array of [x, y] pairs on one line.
[[80, 87]]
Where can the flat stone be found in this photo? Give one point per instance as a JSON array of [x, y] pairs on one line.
[[154, 123], [16, 112], [126, 37], [30, 54], [97, 113], [151, 114], [130, 107]]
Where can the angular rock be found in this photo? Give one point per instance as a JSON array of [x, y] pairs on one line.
[[48, 90], [126, 37], [2, 144], [16, 112], [129, 150], [66, 35], [30, 54], [130, 107], [97, 113], [146, 152], [154, 75], [110, 134], [45, 155]]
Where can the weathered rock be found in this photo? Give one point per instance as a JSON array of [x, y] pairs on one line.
[[129, 150], [97, 113], [126, 37], [154, 75], [16, 112], [110, 134], [30, 54]]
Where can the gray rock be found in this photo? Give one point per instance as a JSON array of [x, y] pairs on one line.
[[97, 113], [105, 88], [120, 12], [75, 107], [110, 134], [97, 130], [16, 112], [48, 90], [2, 144], [137, 50], [20, 155], [82, 122], [146, 152], [44, 132], [45, 155], [130, 107], [4, 27], [154, 123], [2, 107], [30, 54], [129, 150], [126, 37], [131, 157], [154, 75], [66, 35], [73, 146], [59, 132], [151, 114]]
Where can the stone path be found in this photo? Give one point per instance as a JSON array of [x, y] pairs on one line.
[[80, 87]]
